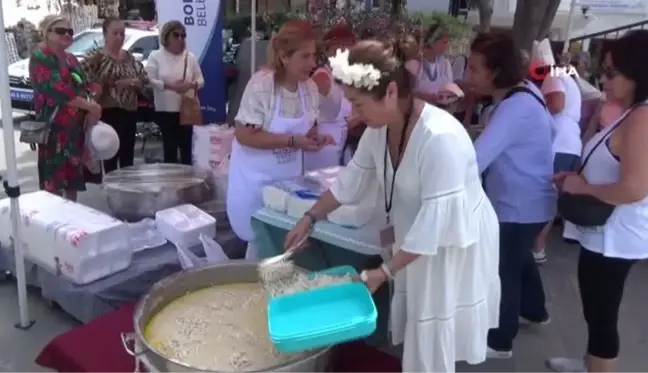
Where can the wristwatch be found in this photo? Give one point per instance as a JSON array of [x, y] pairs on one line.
[[312, 217]]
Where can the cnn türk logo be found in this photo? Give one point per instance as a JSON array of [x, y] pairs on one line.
[[540, 71]]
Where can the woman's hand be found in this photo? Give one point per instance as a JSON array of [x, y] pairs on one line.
[[306, 143], [323, 140], [94, 111], [182, 87], [574, 184], [559, 178], [300, 230], [375, 279]]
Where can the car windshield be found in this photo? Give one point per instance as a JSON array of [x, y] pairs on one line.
[[86, 42]]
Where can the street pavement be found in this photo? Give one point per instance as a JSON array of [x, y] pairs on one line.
[[564, 336]]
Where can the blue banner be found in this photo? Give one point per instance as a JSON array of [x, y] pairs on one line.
[[202, 20]]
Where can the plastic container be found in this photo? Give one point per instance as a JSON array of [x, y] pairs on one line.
[[322, 317]]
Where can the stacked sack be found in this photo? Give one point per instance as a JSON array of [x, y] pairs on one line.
[[212, 146]]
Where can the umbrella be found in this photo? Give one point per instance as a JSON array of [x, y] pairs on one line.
[[11, 184]]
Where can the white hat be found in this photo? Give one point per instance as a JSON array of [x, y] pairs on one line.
[[541, 53], [104, 141]]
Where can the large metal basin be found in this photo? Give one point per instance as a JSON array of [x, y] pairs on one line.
[[137, 192], [175, 286]]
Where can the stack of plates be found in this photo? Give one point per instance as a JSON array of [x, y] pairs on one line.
[[322, 317]]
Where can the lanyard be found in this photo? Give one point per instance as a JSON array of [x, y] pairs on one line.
[[390, 199]]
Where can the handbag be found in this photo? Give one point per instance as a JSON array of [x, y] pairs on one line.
[[37, 132], [190, 113], [586, 210]]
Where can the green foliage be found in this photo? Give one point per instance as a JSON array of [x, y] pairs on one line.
[[455, 26], [376, 20], [266, 23]]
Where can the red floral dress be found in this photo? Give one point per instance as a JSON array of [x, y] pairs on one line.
[[60, 166]]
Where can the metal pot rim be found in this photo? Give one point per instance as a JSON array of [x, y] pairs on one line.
[[146, 347]]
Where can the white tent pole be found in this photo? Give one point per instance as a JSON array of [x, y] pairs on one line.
[[570, 18], [11, 184], [253, 35]]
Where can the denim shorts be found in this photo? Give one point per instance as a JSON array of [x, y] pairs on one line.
[[564, 162]]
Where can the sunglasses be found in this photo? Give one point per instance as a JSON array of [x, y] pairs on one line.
[[179, 35], [63, 31]]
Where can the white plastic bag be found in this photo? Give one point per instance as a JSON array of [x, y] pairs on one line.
[[213, 254]]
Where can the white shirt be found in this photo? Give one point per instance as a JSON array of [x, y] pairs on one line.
[[164, 67], [625, 233], [447, 298], [430, 76], [566, 123], [259, 99]]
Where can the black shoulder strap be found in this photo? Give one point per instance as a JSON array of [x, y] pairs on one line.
[[607, 134], [525, 90]]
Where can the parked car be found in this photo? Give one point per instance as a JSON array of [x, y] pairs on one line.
[[141, 40]]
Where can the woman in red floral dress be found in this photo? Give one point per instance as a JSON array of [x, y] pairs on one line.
[[61, 98]]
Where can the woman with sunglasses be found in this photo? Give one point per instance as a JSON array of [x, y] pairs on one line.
[[615, 172], [61, 99], [117, 78], [173, 72]]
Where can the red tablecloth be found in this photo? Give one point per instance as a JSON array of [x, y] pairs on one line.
[[97, 347]]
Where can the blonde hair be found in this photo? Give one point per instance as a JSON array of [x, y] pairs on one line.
[[287, 41], [167, 29], [48, 21]]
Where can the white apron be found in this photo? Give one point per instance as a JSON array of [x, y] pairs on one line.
[[250, 169], [330, 155], [432, 76]]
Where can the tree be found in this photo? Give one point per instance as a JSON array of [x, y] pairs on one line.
[[485, 11], [532, 19]]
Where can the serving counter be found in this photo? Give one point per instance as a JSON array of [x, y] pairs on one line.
[[331, 245]]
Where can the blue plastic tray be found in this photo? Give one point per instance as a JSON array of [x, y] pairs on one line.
[[321, 317]]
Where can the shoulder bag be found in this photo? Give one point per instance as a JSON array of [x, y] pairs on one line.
[[37, 132], [586, 210], [190, 113]]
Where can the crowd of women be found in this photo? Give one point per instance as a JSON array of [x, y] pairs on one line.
[[107, 86], [462, 219]]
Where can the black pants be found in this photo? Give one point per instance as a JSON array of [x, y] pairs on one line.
[[522, 292], [124, 122], [175, 137], [601, 281]]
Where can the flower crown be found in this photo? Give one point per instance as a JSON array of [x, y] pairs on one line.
[[358, 75]]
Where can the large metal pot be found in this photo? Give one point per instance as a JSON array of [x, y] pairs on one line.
[[138, 192], [175, 286]]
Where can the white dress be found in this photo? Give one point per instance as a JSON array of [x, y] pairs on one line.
[[445, 301]]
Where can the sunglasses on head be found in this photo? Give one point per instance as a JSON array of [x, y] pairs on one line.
[[62, 31], [179, 35]]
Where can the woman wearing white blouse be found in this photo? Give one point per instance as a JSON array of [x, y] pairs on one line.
[[274, 125], [444, 235], [432, 69], [173, 72]]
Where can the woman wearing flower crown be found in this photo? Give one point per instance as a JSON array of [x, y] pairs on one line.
[[274, 125], [334, 108], [439, 225]]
